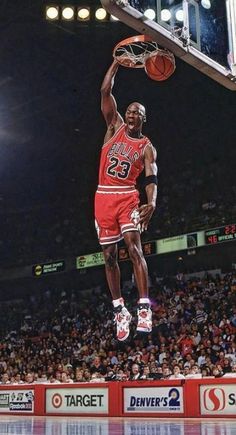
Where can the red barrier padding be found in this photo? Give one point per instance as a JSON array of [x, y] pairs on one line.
[[184, 398]]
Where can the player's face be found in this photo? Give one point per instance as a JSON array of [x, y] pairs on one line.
[[134, 117]]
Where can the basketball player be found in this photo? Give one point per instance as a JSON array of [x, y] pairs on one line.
[[126, 152]]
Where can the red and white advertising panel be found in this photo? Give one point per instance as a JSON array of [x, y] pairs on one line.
[[16, 401], [218, 399], [192, 398], [77, 400], [153, 400]]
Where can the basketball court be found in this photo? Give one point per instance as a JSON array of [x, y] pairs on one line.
[[114, 426]]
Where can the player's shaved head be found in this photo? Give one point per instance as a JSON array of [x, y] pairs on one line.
[[139, 107]]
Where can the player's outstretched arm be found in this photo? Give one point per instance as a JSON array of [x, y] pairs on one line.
[[146, 210], [108, 103]]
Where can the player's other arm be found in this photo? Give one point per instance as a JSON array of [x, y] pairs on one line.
[[146, 210], [108, 103]]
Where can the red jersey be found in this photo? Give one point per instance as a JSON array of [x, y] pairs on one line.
[[121, 159]]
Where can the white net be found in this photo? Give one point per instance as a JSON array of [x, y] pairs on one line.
[[134, 54]]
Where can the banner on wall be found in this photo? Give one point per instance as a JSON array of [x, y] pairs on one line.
[[47, 268], [77, 400], [17, 400], [153, 400], [218, 399]]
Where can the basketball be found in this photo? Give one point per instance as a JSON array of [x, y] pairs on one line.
[[160, 66]]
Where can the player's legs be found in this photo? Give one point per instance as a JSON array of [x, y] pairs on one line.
[[112, 270], [109, 233], [133, 243], [122, 316]]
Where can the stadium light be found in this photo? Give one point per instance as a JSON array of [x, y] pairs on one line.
[[206, 4], [100, 14], [165, 15], [68, 13], [150, 13], [83, 13], [71, 12], [179, 15], [52, 13]]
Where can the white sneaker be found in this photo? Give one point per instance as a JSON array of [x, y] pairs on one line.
[[122, 320], [144, 318]]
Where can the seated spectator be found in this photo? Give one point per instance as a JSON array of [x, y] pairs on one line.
[[111, 376], [146, 373], [217, 371], [122, 375], [227, 366], [206, 372], [176, 373], [135, 372], [17, 379], [165, 373], [194, 373], [79, 376], [97, 377], [202, 358], [87, 375], [97, 366], [29, 378], [42, 379], [5, 379], [232, 373], [66, 379], [57, 377]]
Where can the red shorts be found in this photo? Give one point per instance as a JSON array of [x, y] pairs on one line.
[[114, 213]]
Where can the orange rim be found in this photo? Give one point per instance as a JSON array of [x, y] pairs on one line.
[[131, 39]]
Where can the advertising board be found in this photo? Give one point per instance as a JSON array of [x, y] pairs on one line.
[[153, 400], [218, 399], [77, 400], [16, 401]]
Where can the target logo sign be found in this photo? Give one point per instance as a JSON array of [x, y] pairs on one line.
[[56, 400], [77, 400]]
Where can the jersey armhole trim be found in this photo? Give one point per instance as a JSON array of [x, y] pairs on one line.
[[111, 138]]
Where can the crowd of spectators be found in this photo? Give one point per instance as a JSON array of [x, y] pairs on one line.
[[68, 336]]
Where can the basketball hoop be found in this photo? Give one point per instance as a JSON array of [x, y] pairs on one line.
[[132, 52], [141, 52]]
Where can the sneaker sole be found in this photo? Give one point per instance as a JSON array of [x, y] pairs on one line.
[[123, 338], [128, 332]]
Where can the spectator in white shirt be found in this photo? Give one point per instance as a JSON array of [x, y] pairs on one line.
[[176, 373]]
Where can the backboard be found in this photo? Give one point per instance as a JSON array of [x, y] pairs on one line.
[[200, 32]]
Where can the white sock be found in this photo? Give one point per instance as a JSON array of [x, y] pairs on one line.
[[144, 301], [117, 302]]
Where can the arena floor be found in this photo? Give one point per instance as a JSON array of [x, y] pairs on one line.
[[19, 425]]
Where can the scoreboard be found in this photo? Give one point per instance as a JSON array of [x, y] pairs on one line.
[[220, 234]]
